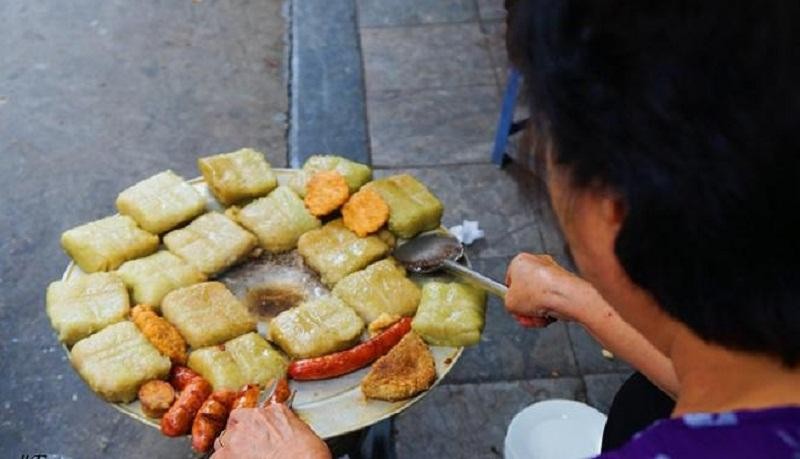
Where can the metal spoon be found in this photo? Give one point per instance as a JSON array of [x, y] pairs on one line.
[[434, 251]]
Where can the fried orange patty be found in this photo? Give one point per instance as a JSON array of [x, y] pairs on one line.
[[365, 212], [326, 192]]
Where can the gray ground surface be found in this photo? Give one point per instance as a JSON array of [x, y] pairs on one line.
[[97, 95]]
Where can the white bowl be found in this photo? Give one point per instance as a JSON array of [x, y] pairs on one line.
[[555, 429]]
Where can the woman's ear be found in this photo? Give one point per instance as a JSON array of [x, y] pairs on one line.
[[614, 208]]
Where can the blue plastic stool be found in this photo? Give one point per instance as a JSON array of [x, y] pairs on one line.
[[506, 125]]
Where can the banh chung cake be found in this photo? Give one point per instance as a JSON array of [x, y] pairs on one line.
[[334, 251], [117, 360], [412, 207], [83, 305], [380, 288], [161, 202], [103, 245], [238, 176], [316, 327], [450, 314], [248, 359], [207, 314], [211, 243], [278, 220], [152, 277]]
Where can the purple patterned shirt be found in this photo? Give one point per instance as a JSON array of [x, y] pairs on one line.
[[772, 433]]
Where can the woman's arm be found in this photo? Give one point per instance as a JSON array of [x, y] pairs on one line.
[[539, 287]]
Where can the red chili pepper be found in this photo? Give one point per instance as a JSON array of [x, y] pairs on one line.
[[340, 363]]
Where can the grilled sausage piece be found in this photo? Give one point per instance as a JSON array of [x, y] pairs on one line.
[[180, 376], [247, 398], [339, 363], [281, 393], [156, 397], [211, 419], [178, 419]]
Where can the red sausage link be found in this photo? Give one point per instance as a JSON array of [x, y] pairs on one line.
[[281, 393], [247, 398], [180, 376], [178, 419], [211, 419], [340, 363]]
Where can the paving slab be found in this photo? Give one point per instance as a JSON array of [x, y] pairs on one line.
[[491, 9], [436, 56], [502, 200], [601, 389], [376, 13], [159, 83], [432, 126], [470, 420], [508, 351], [495, 39], [589, 354]]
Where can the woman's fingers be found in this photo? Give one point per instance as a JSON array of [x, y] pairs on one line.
[[531, 321]]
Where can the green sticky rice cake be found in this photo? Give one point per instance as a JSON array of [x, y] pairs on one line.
[[150, 278], [211, 243], [161, 202], [238, 176], [412, 207], [380, 288], [334, 251], [207, 314], [248, 359], [316, 328], [115, 361], [450, 314], [278, 220], [103, 245], [83, 305]]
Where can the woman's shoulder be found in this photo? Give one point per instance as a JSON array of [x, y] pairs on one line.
[[773, 432]]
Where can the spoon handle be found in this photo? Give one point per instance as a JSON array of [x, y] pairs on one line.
[[475, 278]]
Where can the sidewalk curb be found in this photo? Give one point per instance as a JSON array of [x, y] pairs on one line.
[[326, 93]]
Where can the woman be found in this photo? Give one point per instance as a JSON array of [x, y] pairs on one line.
[[673, 167]]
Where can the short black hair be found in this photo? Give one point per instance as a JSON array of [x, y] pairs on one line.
[[690, 111]]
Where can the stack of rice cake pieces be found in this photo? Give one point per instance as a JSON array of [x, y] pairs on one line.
[[210, 244]]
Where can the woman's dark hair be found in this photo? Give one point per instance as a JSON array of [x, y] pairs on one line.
[[690, 111]]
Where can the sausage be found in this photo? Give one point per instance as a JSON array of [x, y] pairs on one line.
[[156, 397], [180, 376], [281, 392], [211, 419], [339, 363], [178, 419], [161, 334], [247, 397]]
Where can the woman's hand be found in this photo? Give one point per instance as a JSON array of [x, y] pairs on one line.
[[540, 290], [266, 433]]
